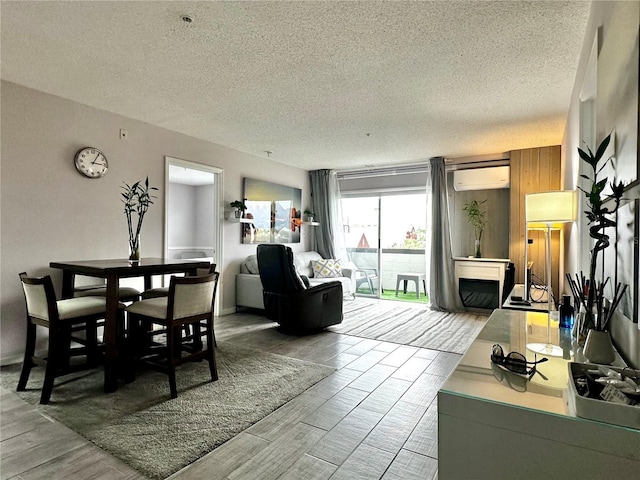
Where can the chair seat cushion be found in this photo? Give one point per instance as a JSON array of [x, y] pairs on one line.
[[80, 307], [155, 293], [153, 307], [123, 292]]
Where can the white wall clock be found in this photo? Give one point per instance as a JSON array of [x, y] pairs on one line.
[[91, 162]]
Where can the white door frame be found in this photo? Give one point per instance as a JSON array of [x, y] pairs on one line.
[[218, 212]]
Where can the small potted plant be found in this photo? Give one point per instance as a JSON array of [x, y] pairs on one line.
[[239, 206], [476, 217], [308, 215], [589, 293], [137, 199]]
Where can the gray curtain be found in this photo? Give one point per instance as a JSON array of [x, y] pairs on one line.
[[442, 288], [325, 201]]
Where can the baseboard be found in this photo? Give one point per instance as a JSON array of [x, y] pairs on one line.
[[227, 311]]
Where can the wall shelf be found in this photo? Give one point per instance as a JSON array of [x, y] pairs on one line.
[[233, 219], [313, 224]]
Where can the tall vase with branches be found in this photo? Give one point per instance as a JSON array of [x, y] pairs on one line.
[[477, 218], [600, 215], [137, 199]]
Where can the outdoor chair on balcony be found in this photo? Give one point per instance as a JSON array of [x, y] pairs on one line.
[[367, 276]]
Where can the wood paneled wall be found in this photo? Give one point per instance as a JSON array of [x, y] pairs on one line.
[[533, 170]]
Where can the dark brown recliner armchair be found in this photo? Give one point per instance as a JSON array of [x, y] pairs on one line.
[[288, 300]]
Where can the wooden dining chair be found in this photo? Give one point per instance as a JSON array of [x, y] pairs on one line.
[[62, 318], [190, 302], [189, 332]]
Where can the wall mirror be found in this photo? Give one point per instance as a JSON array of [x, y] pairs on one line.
[[273, 212]]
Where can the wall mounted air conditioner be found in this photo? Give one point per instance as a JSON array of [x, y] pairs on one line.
[[481, 178]]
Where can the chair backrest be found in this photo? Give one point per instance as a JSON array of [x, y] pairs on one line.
[[277, 271], [40, 297], [192, 296], [206, 271]]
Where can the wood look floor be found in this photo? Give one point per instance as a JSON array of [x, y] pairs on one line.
[[374, 418]]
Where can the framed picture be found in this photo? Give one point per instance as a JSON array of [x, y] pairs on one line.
[[274, 211]]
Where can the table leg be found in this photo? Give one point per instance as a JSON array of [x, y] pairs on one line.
[[147, 282], [67, 283], [110, 336]]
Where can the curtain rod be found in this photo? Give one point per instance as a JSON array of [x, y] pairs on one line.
[[382, 171]]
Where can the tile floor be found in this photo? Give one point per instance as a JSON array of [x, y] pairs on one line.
[[374, 418]]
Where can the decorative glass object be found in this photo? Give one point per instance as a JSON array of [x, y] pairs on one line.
[[134, 249]]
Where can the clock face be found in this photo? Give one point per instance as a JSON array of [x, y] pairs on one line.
[[91, 162]]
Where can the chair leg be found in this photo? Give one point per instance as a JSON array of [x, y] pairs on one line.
[[197, 336], [211, 353], [126, 345], [63, 346], [29, 351], [56, 356], [91, 336], [171, 366]]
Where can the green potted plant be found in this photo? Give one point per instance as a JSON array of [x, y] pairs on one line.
[[308, 214], [477, 218], [590, 297], [239, 206], [137, 199]]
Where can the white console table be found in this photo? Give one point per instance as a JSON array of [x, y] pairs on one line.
[[489, 428]]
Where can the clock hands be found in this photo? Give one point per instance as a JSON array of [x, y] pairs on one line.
[[95, 159]]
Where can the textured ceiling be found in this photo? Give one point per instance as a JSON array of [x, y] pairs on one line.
[[320, 84]]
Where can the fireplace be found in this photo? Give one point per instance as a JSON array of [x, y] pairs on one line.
[[478, 293], [481, 281]]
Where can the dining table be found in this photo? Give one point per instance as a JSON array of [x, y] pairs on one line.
[[112, 271]]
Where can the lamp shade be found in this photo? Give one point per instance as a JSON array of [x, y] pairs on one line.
[[551, 208]]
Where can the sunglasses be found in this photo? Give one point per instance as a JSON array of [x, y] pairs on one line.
[[513, 380], [514, 361]]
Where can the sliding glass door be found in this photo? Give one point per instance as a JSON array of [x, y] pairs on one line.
[[361, 217], [385, 236]]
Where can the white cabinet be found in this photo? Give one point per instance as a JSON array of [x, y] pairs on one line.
[[492, 426]]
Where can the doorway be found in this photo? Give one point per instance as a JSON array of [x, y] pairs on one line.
[[193, 218]]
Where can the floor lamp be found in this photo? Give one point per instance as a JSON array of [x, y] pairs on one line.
[[549, 210]]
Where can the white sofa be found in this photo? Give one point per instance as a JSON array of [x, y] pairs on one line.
[[249, 286]]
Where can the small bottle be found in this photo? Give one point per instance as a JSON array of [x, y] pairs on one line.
[[566, 312], [565, 343]]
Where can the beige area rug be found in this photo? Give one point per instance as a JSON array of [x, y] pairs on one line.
[[407, 324], [157, 436]]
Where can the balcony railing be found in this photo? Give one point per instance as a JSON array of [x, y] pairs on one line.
[[394, 261]]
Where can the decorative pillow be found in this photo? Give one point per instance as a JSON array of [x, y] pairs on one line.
[[251, 264], [328, 268]]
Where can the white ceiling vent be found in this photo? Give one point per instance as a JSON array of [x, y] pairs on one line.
[[481, 178]]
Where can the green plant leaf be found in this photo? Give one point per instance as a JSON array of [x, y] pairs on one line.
[[602, 147]]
